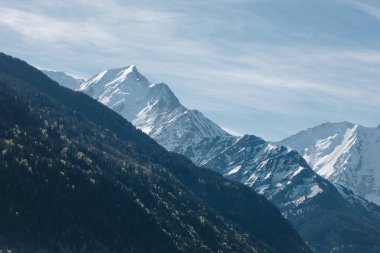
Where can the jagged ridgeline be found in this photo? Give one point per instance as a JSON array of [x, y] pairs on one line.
[[77, 177], [330, 217]]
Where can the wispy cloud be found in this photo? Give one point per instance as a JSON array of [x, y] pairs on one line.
[[369, 9], [246, 64], [233, 132], [49, 30]]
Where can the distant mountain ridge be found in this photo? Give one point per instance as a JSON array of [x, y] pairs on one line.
[[344, 153], [279, 173], [63, 78]]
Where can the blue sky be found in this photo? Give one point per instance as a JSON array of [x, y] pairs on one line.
[[265, 67]]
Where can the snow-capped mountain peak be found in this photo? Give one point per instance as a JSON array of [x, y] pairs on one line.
[[119, 78], [152, 107], [328, 139], [344, 153]]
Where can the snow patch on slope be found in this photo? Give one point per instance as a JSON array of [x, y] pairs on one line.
[[280, 174], [344, 153]]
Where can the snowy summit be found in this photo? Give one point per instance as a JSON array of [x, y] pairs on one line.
[[344, 153]]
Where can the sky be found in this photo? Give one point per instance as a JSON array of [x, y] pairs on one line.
[[264, 67]]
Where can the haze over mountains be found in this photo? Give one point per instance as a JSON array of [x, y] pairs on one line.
[[63, 79], [329, 218]]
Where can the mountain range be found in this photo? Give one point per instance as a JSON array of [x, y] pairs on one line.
[[77, 177], [330, 218]]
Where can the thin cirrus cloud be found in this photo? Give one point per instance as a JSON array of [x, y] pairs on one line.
[[46, 29], [269, 68], [367, 8]]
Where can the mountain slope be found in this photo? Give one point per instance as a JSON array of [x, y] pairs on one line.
[[317, 209], [278, 173], [77, 177], [313, 205], [63, 79], [153, 108], [345, 154]]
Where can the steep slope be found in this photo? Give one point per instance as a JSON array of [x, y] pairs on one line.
[[153, 108], [77, 177], [345, 154], [327, 220], [63, 78], [275, 171], [317, 209]]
